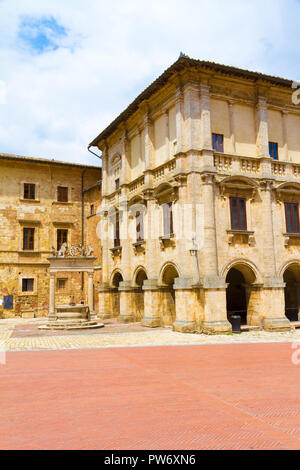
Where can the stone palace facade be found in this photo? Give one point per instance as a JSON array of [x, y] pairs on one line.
[[200, 202]]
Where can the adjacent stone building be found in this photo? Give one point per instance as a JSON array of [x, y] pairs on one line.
[[43, 203], [200, 202]]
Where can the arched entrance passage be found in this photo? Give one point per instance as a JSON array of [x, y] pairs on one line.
[[239, 279], [168, 277], [140, 277], [291, 277], [117, 278]]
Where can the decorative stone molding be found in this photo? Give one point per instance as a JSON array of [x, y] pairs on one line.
[[235, 236], [291, 238], [167, 241], [139, 247], [116, 251]]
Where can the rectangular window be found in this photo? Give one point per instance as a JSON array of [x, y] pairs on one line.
[[217, 142], [62, 194], [117, 230], [273, 150], [139, 219], [117, 183], [292, 217], [27, 285], [238, 213], [62, 237], [62, 284], [92, 209], [28, 238], [168, 219], [29, 191]]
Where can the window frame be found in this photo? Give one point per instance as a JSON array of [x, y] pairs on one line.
[[294, 222], [26, 279], [168, 223], [64, 238], [218, 146], [273, 146], [139, 226], [59, 192], [241, 221], [27, 188], [29, 239]]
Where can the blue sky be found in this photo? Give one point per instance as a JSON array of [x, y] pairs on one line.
[[69, 67]]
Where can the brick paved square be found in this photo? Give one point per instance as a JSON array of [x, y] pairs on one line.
[[234, 396]]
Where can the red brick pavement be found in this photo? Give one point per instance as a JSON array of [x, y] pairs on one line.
[[242, 396]]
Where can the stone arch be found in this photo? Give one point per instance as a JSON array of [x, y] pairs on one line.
[[291, 278], [240, 277], [115, 279], [139, 276], [168, 273], [293, 263], [247, 268], [239, 179]]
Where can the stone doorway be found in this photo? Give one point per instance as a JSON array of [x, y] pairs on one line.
[[139, 294], [117, 278], [291, 278]]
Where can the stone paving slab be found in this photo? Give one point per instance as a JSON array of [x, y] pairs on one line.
[[19, 335]]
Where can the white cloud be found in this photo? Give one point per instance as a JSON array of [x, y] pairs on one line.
[[58, 101]]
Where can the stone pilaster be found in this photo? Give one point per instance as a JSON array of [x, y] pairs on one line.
[[125, 162], [262, 141], [192, 117], [105, 302], [127, 305], [273, 307], [214, 288], [205, 128], [152, 303], [231, 125], [186, 304], [284, 133], [179, 119]]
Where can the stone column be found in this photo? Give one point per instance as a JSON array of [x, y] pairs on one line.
[[52, 297], [262, 141], [273, 308], [92, 314], [105, 302], [152, 302], [214, 288], [186, 306], [127, 305]]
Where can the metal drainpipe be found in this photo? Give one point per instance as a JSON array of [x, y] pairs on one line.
[[82, 222]]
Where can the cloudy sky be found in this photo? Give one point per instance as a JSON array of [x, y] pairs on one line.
[[69, 67]]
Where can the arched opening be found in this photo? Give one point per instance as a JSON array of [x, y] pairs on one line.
[[169, 275], [117, 278], [139, 294], [291, 278], [239, 279]]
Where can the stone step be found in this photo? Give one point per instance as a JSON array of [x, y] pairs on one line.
[[66, 326]]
